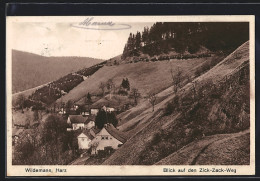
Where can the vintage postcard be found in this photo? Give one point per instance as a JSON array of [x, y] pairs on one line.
[[130, 95]]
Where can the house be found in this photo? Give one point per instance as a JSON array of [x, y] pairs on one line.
[[94, 111], [62, 111], [77, 121], [94, 131], [108, 137], [90, 122], [84, 113], [84, 139], [110, 109], [74, 107]]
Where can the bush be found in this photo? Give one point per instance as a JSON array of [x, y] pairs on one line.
[[122, 92], [172, 106], [169, 108]]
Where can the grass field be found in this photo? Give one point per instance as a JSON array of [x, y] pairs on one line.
[[147, 77]]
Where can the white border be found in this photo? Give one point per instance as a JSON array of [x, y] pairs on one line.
[[125, 170]]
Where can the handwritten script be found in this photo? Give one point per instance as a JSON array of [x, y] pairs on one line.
[[89, 23]]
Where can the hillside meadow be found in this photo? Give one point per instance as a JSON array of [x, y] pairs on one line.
[[215, 108], [147, 77]]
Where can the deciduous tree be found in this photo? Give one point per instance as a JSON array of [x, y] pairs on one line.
[[176, 79], [152, 99], [135, 94], [102, 86]]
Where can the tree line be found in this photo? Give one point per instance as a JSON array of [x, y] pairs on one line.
[[163, 37]]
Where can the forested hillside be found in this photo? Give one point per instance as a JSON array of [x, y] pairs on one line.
[[186, 37], [30, 70]]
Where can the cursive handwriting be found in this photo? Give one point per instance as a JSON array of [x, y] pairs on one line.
[[89, 23]]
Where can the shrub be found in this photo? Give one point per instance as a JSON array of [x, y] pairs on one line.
[[172, 106], [169, 108], [122, 92]]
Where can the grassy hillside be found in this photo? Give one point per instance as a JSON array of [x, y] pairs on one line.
[[215, 102], [147, 77], [31, 70]]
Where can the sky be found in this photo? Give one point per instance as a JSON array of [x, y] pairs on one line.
[[64, 39]]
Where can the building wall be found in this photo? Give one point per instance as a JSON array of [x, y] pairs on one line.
[[76, 126], [90, 125], [68, 121], [84, 142], [94, 111], [110, 109]]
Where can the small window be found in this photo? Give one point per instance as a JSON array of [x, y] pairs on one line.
[[107, 137], [111, 138], [102, 138], [82, 139]]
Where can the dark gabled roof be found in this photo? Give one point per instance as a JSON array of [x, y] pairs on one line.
[[77, 119], [115, 133], [95, 130], [91, 118], [87, 133]]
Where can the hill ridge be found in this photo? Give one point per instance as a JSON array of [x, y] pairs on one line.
[[152, 125], [30, 70]]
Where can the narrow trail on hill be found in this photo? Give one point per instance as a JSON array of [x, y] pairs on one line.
[[79, 161], [199, 151]]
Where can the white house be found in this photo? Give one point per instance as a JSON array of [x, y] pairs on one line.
[[109, 136], [84, 139], [85, 113], [74, 107], [94, 111], [110, 109], [62, 111], [77, 121]]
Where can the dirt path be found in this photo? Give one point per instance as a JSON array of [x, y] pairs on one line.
[[203, 150], [79, 161], [193, 152]]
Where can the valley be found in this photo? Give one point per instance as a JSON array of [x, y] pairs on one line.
[[142, 108]]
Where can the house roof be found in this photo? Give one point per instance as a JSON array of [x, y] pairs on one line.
[[91, 118], [115, 133], [95, 130], [77, 119], [85, 133]]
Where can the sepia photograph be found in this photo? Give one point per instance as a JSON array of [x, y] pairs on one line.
[[134, 95]]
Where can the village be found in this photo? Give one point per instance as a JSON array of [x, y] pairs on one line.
[[91, 139], [93, 126], [90, 136]]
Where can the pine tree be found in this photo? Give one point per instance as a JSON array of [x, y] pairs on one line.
[[89, 97], [138, 41], [127, 84]]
